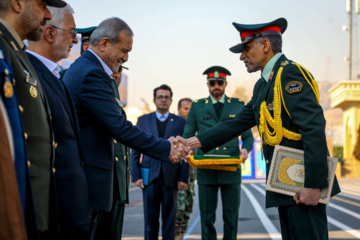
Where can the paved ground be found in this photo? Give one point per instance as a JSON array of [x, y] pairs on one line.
[[256, 222]]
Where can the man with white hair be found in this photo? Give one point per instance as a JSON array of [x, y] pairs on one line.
[[58, 38]]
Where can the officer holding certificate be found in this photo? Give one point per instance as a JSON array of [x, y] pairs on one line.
[[285, 107]]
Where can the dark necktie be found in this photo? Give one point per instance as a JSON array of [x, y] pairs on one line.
[[218, 108]]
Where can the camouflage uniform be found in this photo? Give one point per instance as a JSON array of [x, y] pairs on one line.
[[184, 205]]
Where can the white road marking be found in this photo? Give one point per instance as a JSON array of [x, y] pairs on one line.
[[344, 227], [266, 222]]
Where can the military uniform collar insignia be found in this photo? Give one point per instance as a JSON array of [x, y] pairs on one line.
[[271, 75], [30, 79], [14, 46]]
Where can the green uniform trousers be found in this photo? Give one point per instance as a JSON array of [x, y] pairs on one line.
[[300, 222], [208, 200]]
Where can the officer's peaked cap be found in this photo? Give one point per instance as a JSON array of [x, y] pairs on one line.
[[249, 32], [216, 73]]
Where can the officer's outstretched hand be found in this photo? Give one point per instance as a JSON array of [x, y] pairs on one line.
[[178, 149], [307, 196]]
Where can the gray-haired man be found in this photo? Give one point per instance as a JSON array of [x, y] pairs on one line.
[[57, 40], [89, 83]]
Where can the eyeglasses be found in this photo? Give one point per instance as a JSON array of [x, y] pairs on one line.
[[161, 97], [212, 83], [72, 32]]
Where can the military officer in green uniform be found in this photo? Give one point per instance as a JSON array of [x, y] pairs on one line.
[[204, 114], [20, 20], [285, 107]]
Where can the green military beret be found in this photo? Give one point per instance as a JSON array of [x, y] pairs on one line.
[[249, 32], [85, 33], [216, 73]]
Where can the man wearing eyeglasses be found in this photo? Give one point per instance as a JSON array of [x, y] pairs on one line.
[[58, 38], [160, 181], [20, 20], [204, 114]]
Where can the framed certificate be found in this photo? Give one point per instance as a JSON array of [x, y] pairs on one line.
[[287, 173]]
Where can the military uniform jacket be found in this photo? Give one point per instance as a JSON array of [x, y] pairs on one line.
[[38, 131], [202, 116], [307, 118], [122, 161], [14, 173]]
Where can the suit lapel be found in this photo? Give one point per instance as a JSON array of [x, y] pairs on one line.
[[153, 123], [93, 58], [54, 83], [169, 125], [226, 109]]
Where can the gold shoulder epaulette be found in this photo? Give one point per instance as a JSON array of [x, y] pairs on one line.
[[284, 63], [235, 100], [200, 100]]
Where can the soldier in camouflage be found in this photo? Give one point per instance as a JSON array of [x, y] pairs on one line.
[[185, 197]]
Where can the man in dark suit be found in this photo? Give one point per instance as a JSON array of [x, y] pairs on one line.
[[20, 20], [160, 181], [204, 114], [285, 106], [71, 187], [89, 83], [111, 223]]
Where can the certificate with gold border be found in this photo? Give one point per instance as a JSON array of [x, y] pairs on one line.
[[287, 173]]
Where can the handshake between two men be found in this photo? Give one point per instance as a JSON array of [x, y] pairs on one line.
[[182, 148]]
